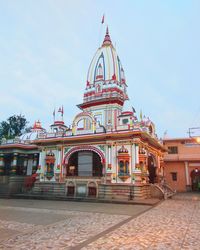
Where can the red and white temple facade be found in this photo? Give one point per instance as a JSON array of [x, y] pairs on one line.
[[107, 149]]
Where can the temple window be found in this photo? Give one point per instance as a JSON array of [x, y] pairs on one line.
[[80, 124], [98, 88], [99, 72], [121, 167], [125, 121], [173, 150], [123, 163], [174, 176], [127, 167], [50, 160]]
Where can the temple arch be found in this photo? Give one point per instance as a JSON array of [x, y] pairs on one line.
[[84, 161], [84, 122]]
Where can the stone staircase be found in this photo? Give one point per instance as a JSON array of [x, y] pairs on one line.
[[166, 190], [123, 192], [4, 190], [48, 189], [11, 185]]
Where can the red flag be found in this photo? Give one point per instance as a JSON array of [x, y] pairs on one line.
[[54, 114], [102, 21], [62, 111]]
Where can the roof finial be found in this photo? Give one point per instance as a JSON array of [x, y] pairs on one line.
[[107, 31], [107, 40]]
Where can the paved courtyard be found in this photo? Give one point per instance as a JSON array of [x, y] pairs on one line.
[[35, 224]]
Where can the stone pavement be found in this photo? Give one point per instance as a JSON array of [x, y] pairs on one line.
[[173, 224]]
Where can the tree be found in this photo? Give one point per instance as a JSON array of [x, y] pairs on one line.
[[13, 126]]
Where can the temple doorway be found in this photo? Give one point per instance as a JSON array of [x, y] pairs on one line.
[[152, 169], [195, 179], [84, 163], [7, 164]]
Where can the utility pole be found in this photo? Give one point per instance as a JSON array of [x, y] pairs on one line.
[[194, 133]]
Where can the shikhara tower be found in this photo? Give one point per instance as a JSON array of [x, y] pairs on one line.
[[106, 152], [105, 90]]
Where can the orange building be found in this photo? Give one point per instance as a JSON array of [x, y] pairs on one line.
[[182, 164]]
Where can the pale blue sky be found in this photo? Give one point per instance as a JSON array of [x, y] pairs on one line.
[[46, 47]]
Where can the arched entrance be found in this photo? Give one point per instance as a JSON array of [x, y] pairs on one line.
[[195, 179], [84, 163], [152, 169]]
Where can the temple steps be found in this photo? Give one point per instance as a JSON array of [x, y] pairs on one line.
[[48, 188], [123, 192]]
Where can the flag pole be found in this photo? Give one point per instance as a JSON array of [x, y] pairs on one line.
[[101, 26], [62, 112], [54, 114]]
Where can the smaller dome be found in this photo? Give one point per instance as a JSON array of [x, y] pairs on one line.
[[37, 125], [33, 134], [123, 150], [29, 136]]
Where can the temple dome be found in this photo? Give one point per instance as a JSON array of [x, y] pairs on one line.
[[33, 134], [105, 80], [106, 64]]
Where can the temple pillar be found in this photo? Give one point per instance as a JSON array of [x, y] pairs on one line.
[[40, 168], [132, 163], [136, 154], [137, 173], [57, 168], [34, 168], [2, 170], [187, 176], [25, 164], [13, 170], [109, 157], [108, 164]]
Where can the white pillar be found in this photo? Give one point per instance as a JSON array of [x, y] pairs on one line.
[[133, 160], [136, 154], [14, 161], [2, 170], [40, 159], [25, 161], [1, 160], [116, 162], [187, 174], [35, 160], [109, 154], [40, 169], [58, 162]]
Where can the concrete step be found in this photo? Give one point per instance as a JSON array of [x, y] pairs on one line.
[[55, 189]]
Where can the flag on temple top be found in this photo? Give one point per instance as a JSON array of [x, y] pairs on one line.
[[62, 111], [54, 114], [133, 110], [102, 21], [141, 115]]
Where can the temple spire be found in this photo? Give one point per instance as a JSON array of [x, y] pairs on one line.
[[107, 40]]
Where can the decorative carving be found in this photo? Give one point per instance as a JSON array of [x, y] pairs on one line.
[[102, 148], [66, 150], [50, 160], [123, 163]]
